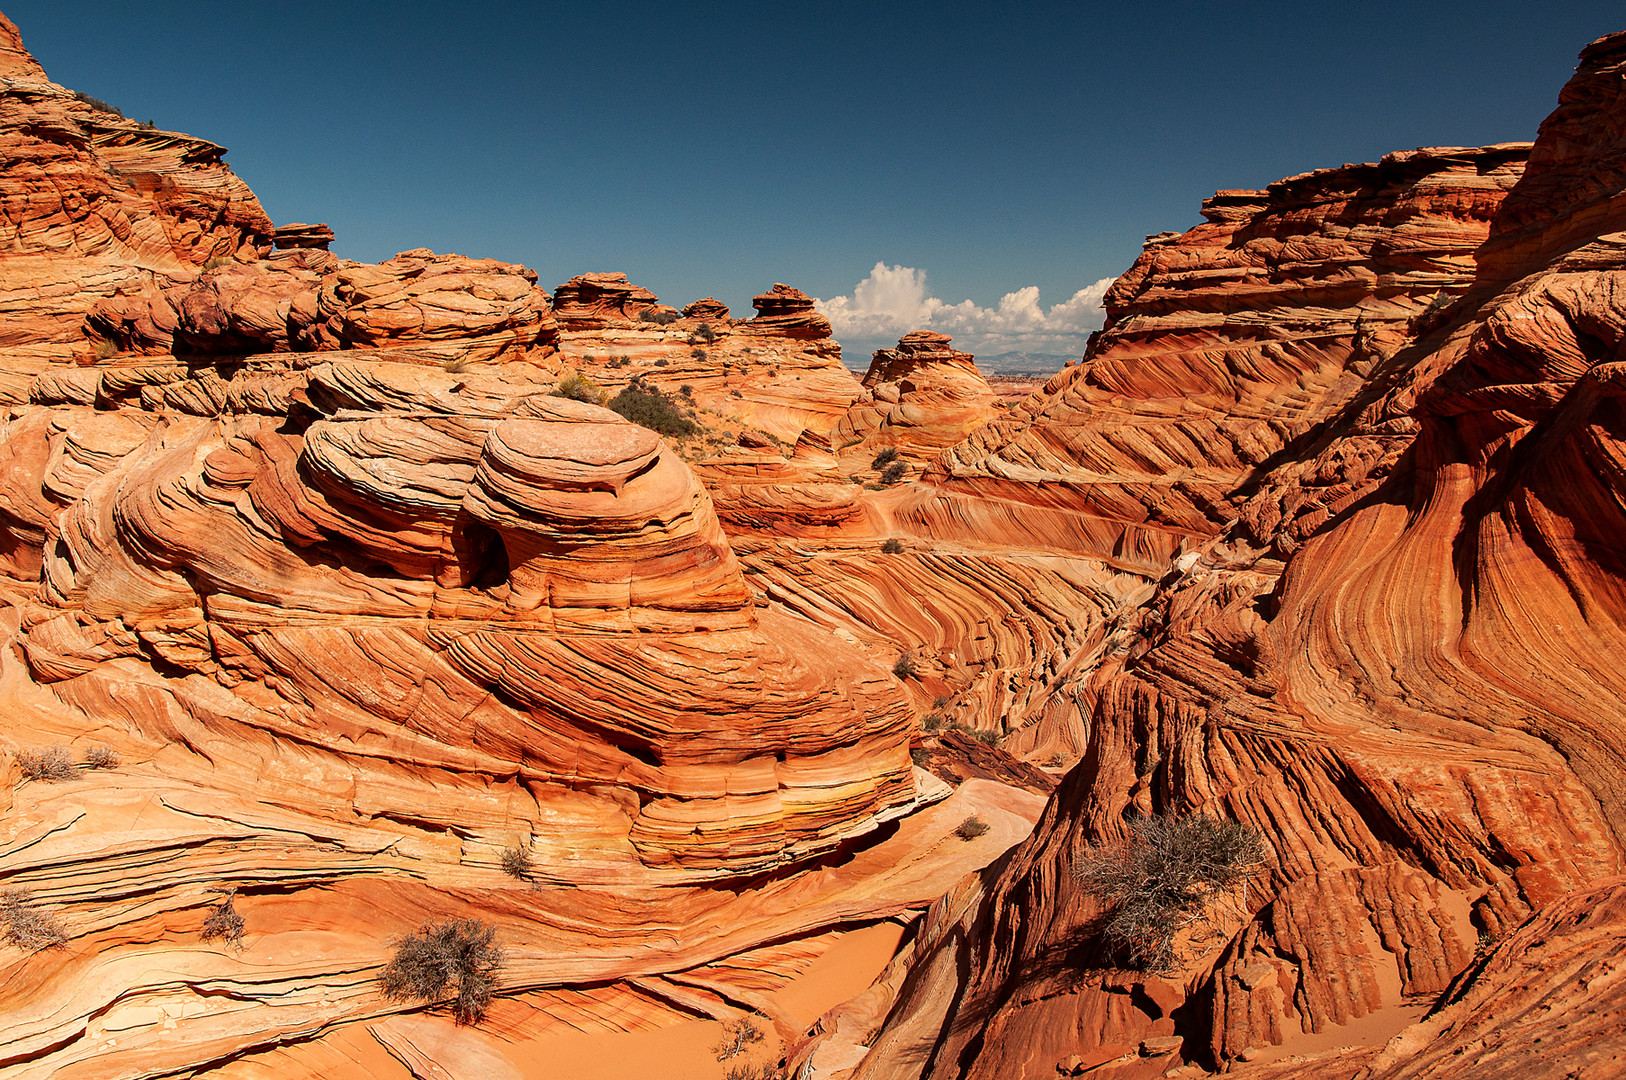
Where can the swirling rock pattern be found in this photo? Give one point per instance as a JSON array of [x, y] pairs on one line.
[[924, 396], [1390, 647]]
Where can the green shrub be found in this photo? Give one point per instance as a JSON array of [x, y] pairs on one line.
[[26, 926], [1158, 880], [654, 410], [460, 953], [884, 458], [894, 472], [702, 335], [578, 387], [697, 353]]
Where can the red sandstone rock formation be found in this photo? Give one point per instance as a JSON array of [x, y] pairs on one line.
[[779, 375], [597, 301], [361, 604], [95, 206], [924, 396], [1389, 649]]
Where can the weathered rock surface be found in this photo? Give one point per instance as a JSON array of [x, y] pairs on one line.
[[95, 206], [778, 375], [1388, 645], [924, 396]]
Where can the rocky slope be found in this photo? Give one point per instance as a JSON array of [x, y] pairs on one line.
[[357, 604], [1389, 646]]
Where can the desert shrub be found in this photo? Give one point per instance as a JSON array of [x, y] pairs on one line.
[[906, 667], [735, 393], [104, 349], [51, 764], [460, 954], [933, 722], [884, 458], [578, 387], [215, 262], [702, 335], [663, 362], [658, 317], [652, 409], [894, 546], [25, 925], [894, 472], [97, 103], [697, 353], [760, 1071], [101, 757], [223, 920], [686, 391], [516, 863], [939, 701], [738, 1037], [920, 756], [1159, 879], [971, 828]]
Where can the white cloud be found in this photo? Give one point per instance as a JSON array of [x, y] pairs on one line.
[[893, 300]]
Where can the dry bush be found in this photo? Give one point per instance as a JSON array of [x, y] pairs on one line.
[[223, 922], [578, 387], [906, 667], [894, 546], [894, 472], [460, 953], [763, 1071], [971, 828], [51, 764], [516, 863], [1160, 878], [884, 458], [25, 925], [738, 1036], [101, 757]]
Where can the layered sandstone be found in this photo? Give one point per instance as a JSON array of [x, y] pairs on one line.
[[924, 396], [359, 603], [1389, 648], [778, 375], [95, 206]]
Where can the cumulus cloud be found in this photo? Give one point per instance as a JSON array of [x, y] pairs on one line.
[[894, 300]]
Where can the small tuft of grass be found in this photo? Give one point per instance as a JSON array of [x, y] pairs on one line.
[[24, 925]]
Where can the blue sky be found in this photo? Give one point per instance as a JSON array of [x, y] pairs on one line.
[[948, 153]]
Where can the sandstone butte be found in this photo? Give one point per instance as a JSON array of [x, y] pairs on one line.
[[1322, 536]]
